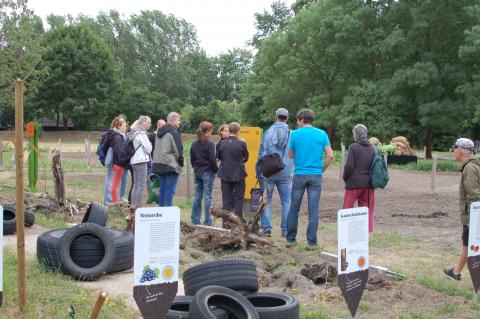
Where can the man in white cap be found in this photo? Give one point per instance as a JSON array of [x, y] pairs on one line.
[[275, 140], [464, 152]]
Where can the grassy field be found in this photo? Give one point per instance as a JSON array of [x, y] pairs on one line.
[[50, 293]]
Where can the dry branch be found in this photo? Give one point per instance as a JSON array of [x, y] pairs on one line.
[[238, 235]]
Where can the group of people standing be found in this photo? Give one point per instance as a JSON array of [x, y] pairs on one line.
[[308, 156], [160, 152], [232, 154], [305, 153]]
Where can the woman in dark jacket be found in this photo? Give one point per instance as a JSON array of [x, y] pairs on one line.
[[233, 154], [356, 173], [204, 163], [118, 168]]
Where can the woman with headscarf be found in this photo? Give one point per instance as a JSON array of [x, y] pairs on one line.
[[356, 173]]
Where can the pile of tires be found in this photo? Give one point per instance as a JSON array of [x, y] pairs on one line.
[[88, 250], [228, 288], [10, 219]]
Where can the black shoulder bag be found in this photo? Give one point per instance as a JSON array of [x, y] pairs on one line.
[[272, 163]]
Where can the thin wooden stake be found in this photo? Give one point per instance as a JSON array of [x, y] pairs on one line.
[[98, 305], [88, 151], [188, 179], [434, 173], [20, 195], [342, 161], [1, 154]]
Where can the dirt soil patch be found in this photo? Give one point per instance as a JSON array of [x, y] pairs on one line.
[[417, 233]]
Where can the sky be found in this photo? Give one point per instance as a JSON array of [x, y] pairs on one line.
[[221, 24]]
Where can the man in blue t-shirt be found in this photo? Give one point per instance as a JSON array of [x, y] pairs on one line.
[[307, 146]]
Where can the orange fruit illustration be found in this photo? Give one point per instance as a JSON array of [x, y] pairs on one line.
[[361, 261]]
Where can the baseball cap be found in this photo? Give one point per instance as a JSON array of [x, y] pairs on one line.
[[281, 112], [464, 143]]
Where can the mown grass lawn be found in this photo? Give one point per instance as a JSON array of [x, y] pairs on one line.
[[49, 294]]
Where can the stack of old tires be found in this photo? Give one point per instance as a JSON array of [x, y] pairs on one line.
[[228, 288], [10, 219], [88, 250]]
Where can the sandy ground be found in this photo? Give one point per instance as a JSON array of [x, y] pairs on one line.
[[417, 232]]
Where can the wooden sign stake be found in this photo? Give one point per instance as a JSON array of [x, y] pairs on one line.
[[20, 195]]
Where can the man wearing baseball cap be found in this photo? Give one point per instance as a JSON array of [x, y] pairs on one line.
[[275, 140], [464, 152]]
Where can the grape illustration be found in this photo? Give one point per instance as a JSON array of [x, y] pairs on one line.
[[148, 274]]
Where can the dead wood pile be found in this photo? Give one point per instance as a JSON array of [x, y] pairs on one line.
[[237, 234]]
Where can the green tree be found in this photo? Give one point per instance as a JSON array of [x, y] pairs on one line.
[[427, 36], [20, 54], [82, 78], [268, 22], [232, 68], [163, 43]]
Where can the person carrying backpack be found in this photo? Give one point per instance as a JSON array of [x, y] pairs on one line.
[[356, 173], [119, 166], [139, 138], [105, 154]]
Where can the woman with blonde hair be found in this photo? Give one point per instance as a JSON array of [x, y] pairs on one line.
[[139, 160], [233, 155], [223, 133]]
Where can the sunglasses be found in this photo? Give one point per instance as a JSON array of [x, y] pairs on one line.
[[453, 148]]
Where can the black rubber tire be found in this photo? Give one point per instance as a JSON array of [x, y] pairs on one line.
[[236, 305], [9, 220], [96, 213], [47, 248], [29, 219], [68, 264], [47, 251], [236, 274], [271, 305], [180, 309]]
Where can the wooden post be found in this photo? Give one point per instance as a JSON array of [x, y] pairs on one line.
[[188, 178], [1, 154], [342, 161], [59, 181], [88, 151], [434, 172], [20, 195], [98, 305]]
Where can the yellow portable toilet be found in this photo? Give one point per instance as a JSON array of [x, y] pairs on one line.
[[253, 137]]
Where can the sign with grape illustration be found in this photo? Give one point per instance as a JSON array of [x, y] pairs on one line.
[[156, 259], [473, 260], [1, 258], [352, 254]]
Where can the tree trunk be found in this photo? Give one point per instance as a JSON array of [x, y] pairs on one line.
[[59, 181], [65, 123], [58, 120], [428, 142]]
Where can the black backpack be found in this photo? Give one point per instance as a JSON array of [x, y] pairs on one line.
[[100, 148], [127, 152]]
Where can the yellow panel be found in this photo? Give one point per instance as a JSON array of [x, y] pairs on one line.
[[253, 137]]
